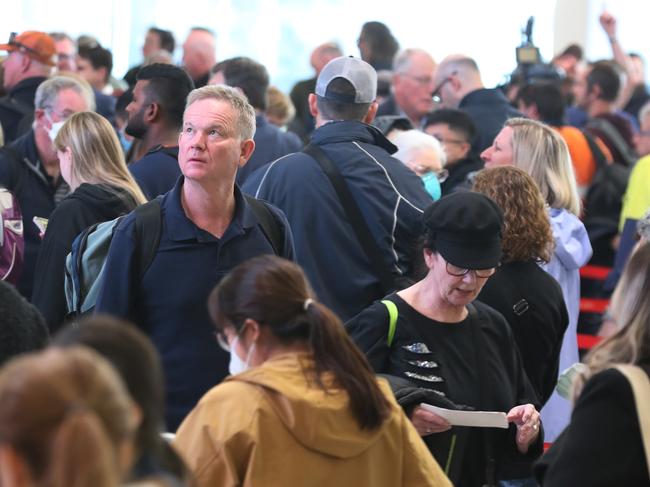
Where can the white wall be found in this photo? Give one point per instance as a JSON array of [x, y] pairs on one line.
[[281, 33]]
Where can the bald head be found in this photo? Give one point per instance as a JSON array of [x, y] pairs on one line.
[[457, 75], [323, 54], [199, 52]]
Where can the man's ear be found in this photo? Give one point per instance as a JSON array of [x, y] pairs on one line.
[[41, 119], [372, 111], [247, 148], [152, 113], [313, 106]]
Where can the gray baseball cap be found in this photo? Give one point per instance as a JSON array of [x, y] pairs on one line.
[[358, 72]]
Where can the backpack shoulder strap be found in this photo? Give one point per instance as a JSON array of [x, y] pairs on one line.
[[148, 228], [599, 156], [268, 222], [641, 391], [393, 313], [360, 226], [616, 138]]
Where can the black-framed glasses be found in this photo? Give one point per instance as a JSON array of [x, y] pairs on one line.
[[19, 45], [435, 94], [456, 271]]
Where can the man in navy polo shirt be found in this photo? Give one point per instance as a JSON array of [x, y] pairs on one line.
[[156, 118], [208, 228]]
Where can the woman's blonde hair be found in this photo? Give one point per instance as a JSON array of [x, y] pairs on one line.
[[542, 152], [630, 310], [527, 231], [67, 414], [97, 156]]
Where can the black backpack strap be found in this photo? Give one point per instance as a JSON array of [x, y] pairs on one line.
[[361, 230], [148, 228], [596, 151], [270, 227], [629, 157]]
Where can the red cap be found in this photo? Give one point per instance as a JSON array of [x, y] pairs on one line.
[[37, 45]]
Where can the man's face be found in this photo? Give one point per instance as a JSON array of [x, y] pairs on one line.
[[642, 138], [96, 77], [209, 147], [67, 102], [136, 125], [413, 87], [151, 44], [453, 143], [500, 152], [13, 69], [580, 89], [65, 49]]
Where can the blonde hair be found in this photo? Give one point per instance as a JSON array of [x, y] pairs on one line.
[[541, 152], [97, 156], [630, 310], [67, 414]]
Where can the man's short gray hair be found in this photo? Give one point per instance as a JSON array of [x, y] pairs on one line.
[[48, 90], [232, 96]]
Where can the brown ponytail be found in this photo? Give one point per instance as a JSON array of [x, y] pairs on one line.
[[274, 292], [67, 414], [82, 454]]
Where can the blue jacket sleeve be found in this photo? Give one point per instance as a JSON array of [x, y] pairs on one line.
[[117, 295]]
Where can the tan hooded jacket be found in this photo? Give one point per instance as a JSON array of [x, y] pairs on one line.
[[270, 426]]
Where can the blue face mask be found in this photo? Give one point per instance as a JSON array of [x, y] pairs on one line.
[[124, 142], [432, 185]]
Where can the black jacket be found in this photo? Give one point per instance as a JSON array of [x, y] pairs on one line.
[[17, 108], [602, 445], [457, 179], [531, 301], [37, 193], [89, 204]]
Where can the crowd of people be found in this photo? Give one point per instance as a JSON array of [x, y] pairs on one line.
[[206, 281]]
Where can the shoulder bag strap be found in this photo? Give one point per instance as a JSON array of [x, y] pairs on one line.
[[641, 390], [365, 238]]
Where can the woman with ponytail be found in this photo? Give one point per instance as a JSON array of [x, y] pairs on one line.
[[303, 406], [66, 420]]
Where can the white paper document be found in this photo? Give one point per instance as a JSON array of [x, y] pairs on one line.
[[481, 419]]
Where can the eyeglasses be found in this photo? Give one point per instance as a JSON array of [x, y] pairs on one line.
[[222, 340], [20, 45], [455, 271], [442, 140], [435, 94], [422, 80]]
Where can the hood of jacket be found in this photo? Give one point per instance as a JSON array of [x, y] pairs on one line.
[[106, 200], [572, 246], [320, 421], [351, 131]]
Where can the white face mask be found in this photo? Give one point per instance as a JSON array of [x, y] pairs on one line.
[[54, 129], [237, 365]]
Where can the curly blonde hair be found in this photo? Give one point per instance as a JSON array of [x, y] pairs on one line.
[[527, 230]]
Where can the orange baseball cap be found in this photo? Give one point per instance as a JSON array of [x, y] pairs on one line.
[[37, 45]]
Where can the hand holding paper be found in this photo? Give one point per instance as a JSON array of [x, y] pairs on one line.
[[480, 419]]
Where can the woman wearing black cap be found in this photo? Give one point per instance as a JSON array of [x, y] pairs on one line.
[[438, 347]]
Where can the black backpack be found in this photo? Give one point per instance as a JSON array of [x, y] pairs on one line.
[[85, 263], [604, 199]]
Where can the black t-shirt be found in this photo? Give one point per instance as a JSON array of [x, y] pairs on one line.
[[462, 361]]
